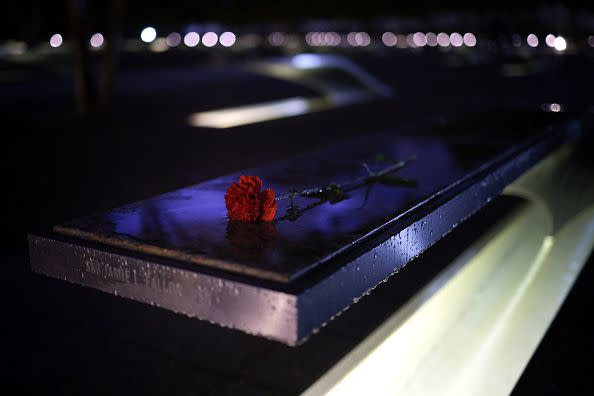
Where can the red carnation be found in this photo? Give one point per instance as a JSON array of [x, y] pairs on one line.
[[246, 201]]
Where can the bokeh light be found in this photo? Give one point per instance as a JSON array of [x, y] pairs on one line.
[[389, 39], [97, 40], [560, 44], [550, 40], [209, 39], [159, 45], [276, 39], [227, 39], [469, 40], [191, 39], [456, 39], [173, 39], [555, 107], [419, 39], [410, 40], [56, 40], [148, 34], [532, 40], [431, 39], [362, 39], [443, 39]]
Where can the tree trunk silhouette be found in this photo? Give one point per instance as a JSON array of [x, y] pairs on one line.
[[83, 80], [91, 96], [111, 54]]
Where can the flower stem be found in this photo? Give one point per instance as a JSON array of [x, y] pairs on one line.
[[350, 185]]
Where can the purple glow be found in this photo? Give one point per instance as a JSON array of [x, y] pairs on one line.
[[532, 40], [389, 39], [431, 39], [469, 40], [97, 40], [56, 40], [443, 39], [419, 39], [209, 39], [227, 39], [191, 39], [351, 39], [362, 39], [409, 41], [456, 39], [277, 39], [173, 39]]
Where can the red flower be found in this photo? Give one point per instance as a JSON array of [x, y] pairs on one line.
[[246, 202]]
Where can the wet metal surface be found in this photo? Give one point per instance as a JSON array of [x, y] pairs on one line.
[[324, 260], [190, 224]]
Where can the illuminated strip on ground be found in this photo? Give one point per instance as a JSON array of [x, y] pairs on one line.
[[473, 329], [242, 115], [274, 110]]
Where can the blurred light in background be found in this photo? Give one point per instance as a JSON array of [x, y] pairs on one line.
[[431, 39], [362, 39], [516, 40], [332, 39], [173, 39], [243, 115], [443, 39], [97, 40], [209, 39], [555, 107], [469, 40], [456, 39], [159, 45], [410, 40], [591, 41], [277, 39], [550, 40], [532, 40], [358, 39], [419, 39], [14, 48], [314, 38], [560, 44], [227, 39], [389, 39], [307, 61], [56, 40], [351, 39], [191, 39], [148, 34]]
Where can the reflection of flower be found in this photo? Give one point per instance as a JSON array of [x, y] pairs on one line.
[[250, 239], [246, 202]]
